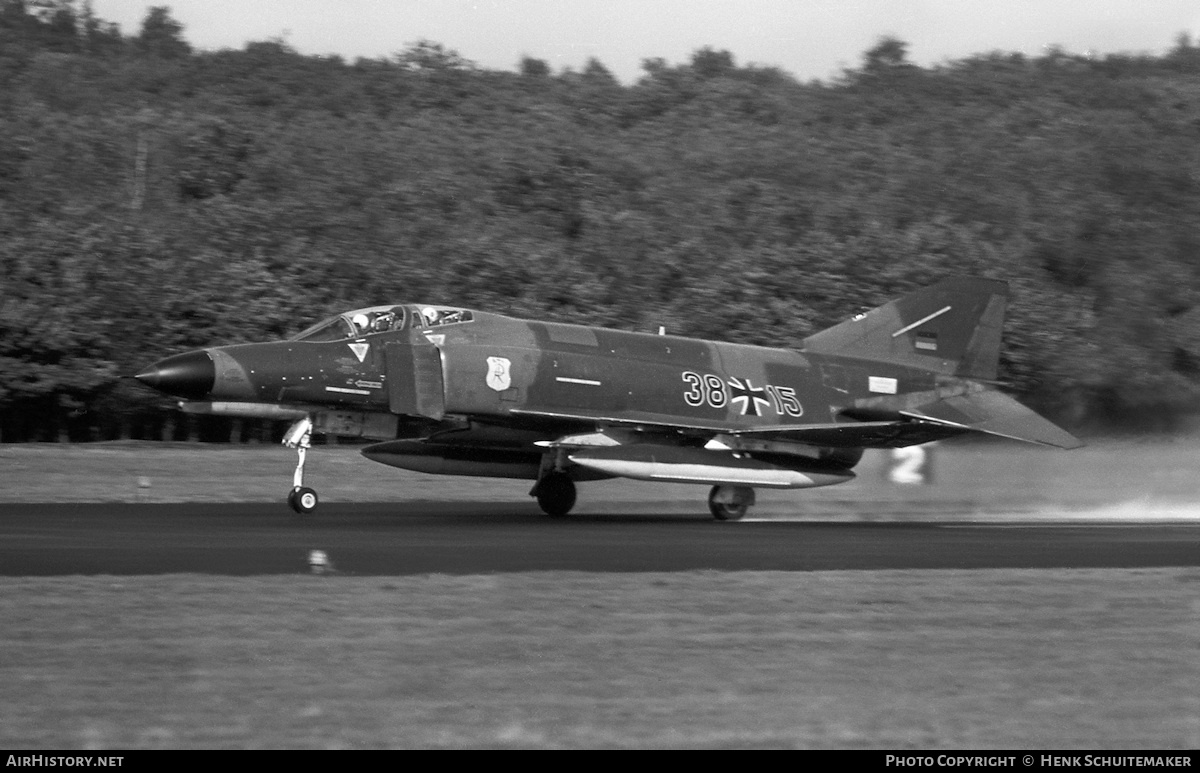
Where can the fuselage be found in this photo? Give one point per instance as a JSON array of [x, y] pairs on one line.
[[504, 371]]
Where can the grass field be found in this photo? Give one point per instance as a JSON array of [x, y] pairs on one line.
[[909, 660], [1080, 659]]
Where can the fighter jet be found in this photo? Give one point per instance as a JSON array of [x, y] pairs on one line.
[[458, 391]]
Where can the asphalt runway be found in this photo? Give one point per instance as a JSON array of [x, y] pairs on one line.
[[470, 538]]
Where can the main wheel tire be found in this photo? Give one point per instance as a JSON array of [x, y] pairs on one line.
[[556, 494], [724, 511], [303, 500]]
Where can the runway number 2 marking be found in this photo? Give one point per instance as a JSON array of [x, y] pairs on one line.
[[711, 390], [909, 465]]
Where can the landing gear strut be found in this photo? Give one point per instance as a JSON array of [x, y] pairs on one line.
[[299, 436], [555, 494], [730, 503]]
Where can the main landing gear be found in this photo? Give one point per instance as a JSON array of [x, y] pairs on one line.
[[554, 490], [299, 436], [730, 503], [555, 494]]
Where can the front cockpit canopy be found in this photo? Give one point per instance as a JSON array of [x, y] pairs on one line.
[[381, 319]]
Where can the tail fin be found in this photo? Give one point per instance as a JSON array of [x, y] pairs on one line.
[[952, 327]]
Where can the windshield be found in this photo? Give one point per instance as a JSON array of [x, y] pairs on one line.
[[355, 324], [333, 329]]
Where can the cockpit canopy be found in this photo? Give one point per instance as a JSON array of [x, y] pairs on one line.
[[381, 319]]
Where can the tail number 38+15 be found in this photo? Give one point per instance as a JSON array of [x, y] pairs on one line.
[[715, 392]]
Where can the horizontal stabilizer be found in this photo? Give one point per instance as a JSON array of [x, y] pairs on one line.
[[994, 413]]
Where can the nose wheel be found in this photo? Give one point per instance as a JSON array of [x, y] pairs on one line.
[[301, 498]]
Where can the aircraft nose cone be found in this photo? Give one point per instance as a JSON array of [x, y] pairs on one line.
[[190, 375]]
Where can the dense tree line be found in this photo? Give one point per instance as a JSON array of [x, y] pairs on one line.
[[155, 198]]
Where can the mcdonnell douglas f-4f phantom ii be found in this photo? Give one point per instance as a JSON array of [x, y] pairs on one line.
[[463, 392]]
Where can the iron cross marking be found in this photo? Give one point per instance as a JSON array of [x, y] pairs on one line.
[[748, 395]]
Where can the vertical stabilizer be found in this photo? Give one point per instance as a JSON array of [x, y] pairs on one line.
[[952, 327]]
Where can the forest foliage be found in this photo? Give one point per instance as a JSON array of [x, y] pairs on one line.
[[155, 198]]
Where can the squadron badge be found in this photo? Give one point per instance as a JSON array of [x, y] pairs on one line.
[[498, 376]]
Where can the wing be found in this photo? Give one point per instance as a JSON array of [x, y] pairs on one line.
[[647, 446], [904, 431], [858, 434], [983, 410]]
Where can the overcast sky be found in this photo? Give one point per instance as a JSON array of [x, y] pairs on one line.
[[808, 38]]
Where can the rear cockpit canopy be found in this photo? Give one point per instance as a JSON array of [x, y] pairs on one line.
[[355, 324], [434, 316], [381, 319]]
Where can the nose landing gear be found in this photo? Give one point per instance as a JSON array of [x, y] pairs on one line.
[[299, 436]]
